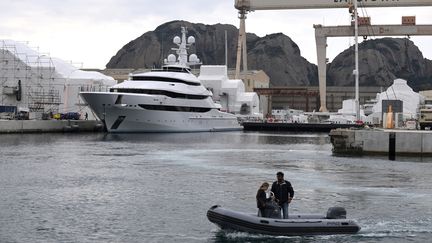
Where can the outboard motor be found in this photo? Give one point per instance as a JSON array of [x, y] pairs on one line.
[[272, 210], [336, 213]]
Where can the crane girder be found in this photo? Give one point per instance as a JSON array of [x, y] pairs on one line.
[[373, 30], [251, 5]]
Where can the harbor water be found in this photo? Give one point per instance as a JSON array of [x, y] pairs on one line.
[[158, 187]]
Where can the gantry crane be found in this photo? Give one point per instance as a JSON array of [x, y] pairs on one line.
[[245, 6]]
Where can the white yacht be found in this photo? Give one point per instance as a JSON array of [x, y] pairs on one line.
[[170, 99]]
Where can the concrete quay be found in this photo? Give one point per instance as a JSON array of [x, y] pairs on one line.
[[381, 141], [46, 126]]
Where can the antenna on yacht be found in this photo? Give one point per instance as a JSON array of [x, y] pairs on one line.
[[181, 51]]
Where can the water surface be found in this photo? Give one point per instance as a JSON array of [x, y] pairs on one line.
[[158, 187]]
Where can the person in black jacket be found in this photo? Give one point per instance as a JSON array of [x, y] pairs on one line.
[[261, 198], [283, 192]]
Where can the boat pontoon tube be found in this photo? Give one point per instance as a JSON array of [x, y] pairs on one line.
[[334, 222]]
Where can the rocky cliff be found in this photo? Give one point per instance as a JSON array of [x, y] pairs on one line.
[[151, 48], [276, 54], [281, 59], [380, 62]]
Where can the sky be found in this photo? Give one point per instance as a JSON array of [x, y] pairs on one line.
[[89, 32]]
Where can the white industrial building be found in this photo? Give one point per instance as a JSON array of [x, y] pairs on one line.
[[35, 82], [229, 93]]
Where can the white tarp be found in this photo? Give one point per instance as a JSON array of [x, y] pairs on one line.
[[40, 71], [400, 91], [230, 93]]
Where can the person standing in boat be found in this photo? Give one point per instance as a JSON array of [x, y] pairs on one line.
[[261, 198], [283, 192]]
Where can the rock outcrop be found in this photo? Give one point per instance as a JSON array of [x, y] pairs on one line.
[[276, 54], [280, 58], [380, 62], [150, 49]]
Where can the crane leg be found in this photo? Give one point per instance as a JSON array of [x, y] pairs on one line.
[[321, 43]]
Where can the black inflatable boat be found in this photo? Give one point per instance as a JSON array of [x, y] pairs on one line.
[[334, 222]]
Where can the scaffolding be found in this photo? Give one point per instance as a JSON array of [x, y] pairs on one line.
[[44, 101], [33, 81], [36, 73], [8, 62]]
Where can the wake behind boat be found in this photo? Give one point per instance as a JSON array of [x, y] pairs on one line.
[[334, 222], [170, 99]]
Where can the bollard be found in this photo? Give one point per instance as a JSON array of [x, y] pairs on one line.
[[392, 146]]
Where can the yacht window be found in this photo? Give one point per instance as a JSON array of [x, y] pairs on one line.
[[163, 79], [175, 108], [172, 69], [161, 92]]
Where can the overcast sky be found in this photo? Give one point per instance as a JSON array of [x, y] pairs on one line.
[[90, 32]]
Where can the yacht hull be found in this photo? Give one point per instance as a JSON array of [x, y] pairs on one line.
[[128, 117]]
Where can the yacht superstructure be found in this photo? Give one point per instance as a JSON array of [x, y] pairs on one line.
[[170, 99]]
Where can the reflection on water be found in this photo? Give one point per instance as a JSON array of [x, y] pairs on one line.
[[158, 187]]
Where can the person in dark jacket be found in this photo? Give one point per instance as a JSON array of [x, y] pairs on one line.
[[261, 198], [283, 192]]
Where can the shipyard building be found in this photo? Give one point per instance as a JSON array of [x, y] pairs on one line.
[[41, 86]]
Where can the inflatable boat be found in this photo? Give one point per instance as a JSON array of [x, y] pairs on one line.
[[334, 222]]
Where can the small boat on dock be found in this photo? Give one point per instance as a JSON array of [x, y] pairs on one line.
[[334, 222]]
